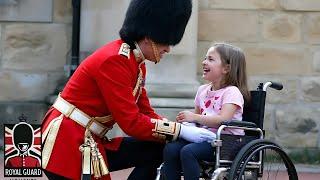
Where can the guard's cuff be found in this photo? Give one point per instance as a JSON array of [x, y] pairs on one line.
[[165, 130]]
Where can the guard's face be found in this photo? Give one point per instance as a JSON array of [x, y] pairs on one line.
[[151, 54], [163, 49]]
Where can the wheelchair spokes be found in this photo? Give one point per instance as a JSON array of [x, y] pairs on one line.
[[275, 167], [274, 163]]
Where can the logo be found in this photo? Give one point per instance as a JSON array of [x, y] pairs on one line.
[[22, 149]]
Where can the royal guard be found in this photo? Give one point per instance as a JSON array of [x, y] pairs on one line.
[[23, 138], [108, 88]]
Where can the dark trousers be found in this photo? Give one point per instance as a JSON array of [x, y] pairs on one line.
[[183, 156], [145, 156]]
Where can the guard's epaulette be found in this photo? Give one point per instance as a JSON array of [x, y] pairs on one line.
[[124, 50]]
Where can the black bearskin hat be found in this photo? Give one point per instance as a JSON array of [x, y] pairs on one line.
[[23, 133], [163, 21]]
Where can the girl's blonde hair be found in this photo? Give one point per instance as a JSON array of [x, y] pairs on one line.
[[234, 58]]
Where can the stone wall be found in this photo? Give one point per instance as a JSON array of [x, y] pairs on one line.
[[281, 40], [33, 53]]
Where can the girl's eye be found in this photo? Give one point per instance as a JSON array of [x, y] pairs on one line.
[[209, 59]]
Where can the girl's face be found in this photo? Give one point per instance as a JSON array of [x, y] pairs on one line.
[[213, 68]]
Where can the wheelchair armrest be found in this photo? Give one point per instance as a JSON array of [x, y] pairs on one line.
[[239, 124]]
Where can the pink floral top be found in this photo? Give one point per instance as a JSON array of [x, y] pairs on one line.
[[210, 103]]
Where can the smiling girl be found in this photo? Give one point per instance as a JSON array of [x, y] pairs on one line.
[[222, 99]]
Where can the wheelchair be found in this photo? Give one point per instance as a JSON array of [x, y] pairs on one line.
[[249, 156]]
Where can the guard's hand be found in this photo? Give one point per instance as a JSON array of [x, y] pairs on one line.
[[195, 134]]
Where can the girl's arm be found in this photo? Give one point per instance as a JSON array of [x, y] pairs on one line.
[[226, 113]]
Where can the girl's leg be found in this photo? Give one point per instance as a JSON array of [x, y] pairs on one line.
[[191, 154], [171, 169], [145, 156]]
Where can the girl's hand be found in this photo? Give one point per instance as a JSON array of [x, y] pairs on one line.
[[185, 116]]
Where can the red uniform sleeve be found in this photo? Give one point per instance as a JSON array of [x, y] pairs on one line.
[[144, 102], [114, 79], [145, 107]]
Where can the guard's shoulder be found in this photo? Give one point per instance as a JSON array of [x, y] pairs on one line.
[[124, 50]]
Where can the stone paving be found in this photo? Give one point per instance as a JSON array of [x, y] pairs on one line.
[[305, 172]]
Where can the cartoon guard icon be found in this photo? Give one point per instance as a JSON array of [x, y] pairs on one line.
[[22, 137]]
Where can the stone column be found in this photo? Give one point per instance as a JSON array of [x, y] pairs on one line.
[[100, 22]]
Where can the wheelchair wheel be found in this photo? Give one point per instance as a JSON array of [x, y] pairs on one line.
[[275, 164]]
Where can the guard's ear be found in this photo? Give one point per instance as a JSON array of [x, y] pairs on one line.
[[146, 41]]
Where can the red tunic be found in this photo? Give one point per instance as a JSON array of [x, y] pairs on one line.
[[23, 162], [102, 85]]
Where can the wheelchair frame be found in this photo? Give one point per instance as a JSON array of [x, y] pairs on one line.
[[218, 143], [250, 124]]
